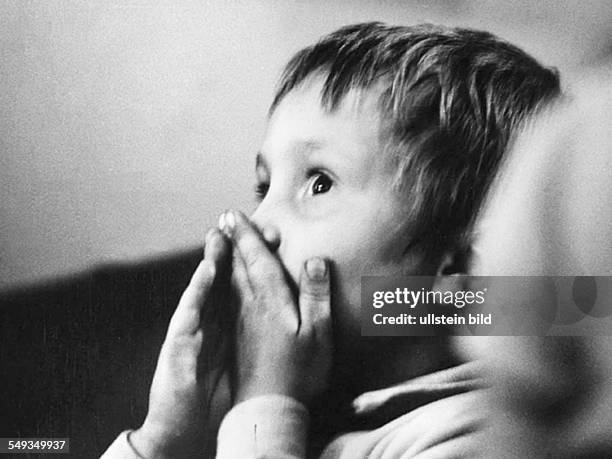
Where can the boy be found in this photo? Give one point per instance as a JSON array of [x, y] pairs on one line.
[[381, 144]]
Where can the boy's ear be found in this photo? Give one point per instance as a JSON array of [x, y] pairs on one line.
[[452, 271]]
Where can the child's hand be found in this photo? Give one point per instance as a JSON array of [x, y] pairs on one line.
[[179, 398], [283, 346]]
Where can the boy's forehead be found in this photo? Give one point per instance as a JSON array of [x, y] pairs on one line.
[[354, 102], [302, 124]]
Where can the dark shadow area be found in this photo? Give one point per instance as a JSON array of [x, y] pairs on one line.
[[77, 356]]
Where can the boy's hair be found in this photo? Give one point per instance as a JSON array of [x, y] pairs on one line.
[[451, 99]]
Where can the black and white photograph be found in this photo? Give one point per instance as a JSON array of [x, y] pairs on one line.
[[305, 229]]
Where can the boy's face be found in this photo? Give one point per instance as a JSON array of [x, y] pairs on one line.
[[326, 190]]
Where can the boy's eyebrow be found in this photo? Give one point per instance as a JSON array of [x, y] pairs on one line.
[[307, 146], [260, 161], [300, 146], [312, 146]]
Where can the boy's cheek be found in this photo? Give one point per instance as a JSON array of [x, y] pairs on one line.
[[297, 248], [343, 279], [351, 256]]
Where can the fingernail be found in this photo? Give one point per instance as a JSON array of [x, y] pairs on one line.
[[222, 221], [316, 269], [230, 220]]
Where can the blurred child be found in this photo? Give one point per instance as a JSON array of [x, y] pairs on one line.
[[380, 147], [550, 215]]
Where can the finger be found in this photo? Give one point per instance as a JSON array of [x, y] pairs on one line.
[[264, 271], [215, 305], [434, 386], [240, 278], [315, 298], [216, 247], [407, 397], [186, 318]]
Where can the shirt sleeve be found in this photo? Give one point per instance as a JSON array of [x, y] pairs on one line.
[[121, 448], [270, 426]]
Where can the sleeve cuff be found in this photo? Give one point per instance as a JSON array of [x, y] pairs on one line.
[[266, 426]]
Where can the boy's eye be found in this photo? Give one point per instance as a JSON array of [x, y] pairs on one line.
[[320, 183], [261, 189]]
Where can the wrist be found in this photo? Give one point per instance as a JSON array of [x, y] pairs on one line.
[[147, 444], [270, 423]]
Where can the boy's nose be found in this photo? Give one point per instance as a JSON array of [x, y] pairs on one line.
[[272, 237], [268, 230]]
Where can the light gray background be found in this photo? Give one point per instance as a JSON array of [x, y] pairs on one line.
[[126, 127]]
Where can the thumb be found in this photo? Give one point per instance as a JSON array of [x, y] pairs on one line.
[[315, 298]]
